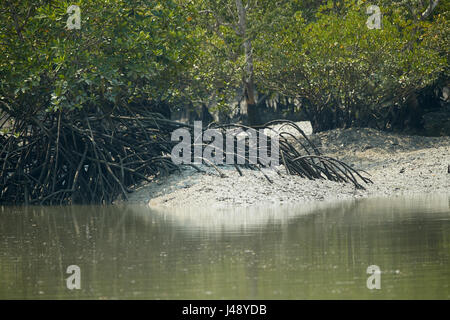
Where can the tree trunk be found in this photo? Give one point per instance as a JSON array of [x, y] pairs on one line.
[[433, 4], [249, 88]]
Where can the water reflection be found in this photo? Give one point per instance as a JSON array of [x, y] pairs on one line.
[[309, 251]]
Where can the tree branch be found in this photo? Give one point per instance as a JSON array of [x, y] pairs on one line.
[[430, 9]]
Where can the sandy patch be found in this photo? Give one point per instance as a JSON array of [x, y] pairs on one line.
[[398, 165]]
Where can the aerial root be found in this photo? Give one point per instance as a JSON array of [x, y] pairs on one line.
[[81, 157]]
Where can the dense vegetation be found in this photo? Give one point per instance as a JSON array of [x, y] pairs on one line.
[[322, 54], [348, 75], [150, 53], [67, 95]]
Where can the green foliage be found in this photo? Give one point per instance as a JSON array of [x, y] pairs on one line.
[[125, 52], [335, 62], [147, 51]]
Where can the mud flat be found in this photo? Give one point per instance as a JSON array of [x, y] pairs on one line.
[[397, 164]]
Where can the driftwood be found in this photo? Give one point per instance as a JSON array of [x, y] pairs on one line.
[[84, 157]]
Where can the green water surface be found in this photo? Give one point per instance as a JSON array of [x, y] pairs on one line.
[[315, 251]]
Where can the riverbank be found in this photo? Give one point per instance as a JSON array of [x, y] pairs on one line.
[[397, 164]]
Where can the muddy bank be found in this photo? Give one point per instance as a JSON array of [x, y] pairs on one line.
[[397, 164]]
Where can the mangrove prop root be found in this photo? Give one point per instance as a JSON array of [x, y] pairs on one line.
[[83, 157]]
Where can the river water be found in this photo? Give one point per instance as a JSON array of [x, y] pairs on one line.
[[315, 251]]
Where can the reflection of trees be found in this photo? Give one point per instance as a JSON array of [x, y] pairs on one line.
[[134, 252]]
